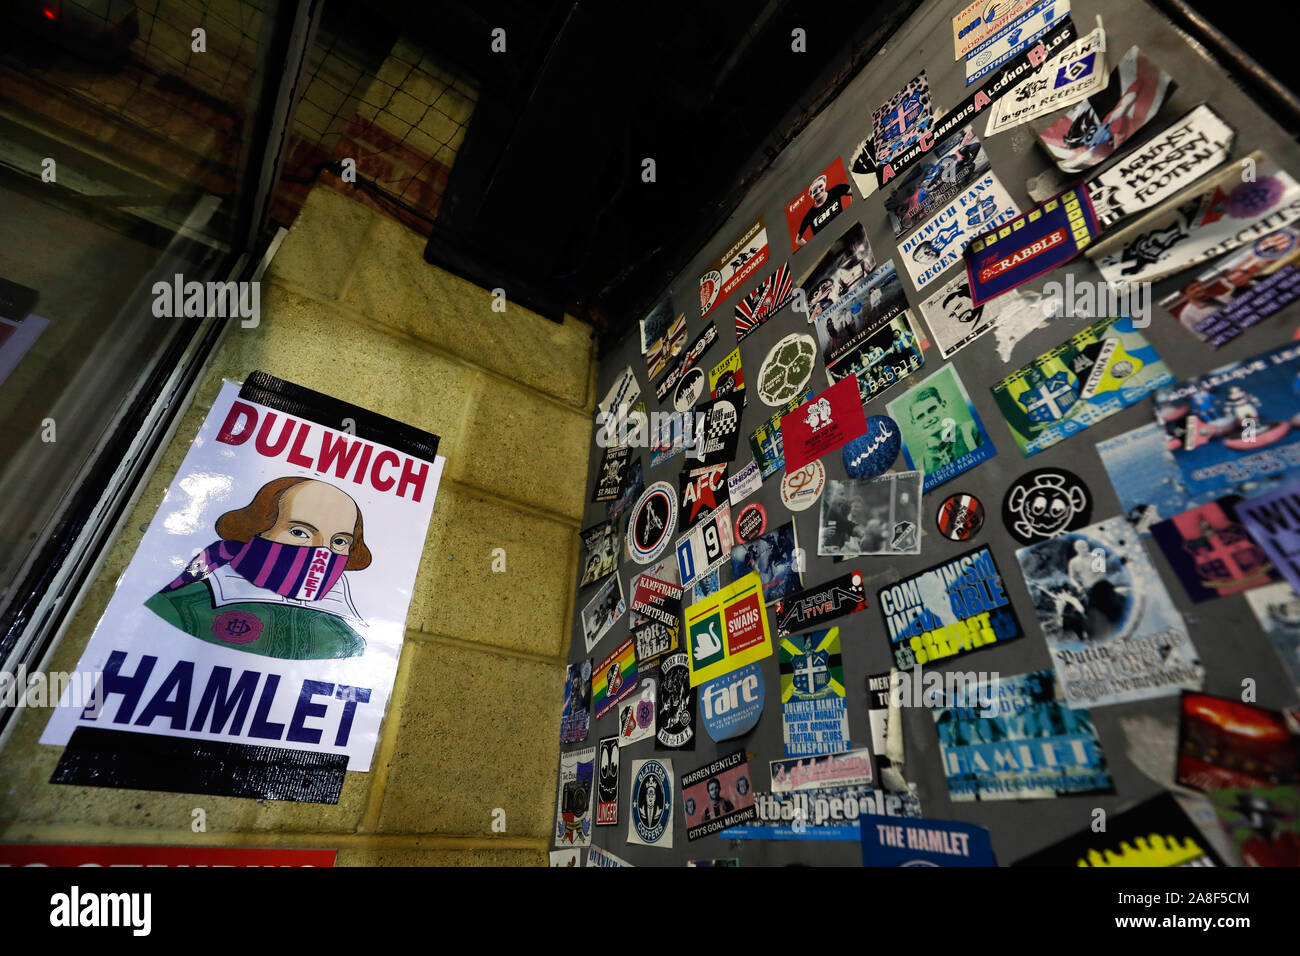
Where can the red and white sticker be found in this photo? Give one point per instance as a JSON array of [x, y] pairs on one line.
[[802, 487]]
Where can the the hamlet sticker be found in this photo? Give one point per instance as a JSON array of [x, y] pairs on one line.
[[256, 581]]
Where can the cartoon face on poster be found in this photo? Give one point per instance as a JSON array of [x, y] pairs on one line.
[[284, 553], [575, 712], [814, 711], [942, 433], [607, 782], [818, 205], [650, 804], [1110, 625], [718, 796], [573, 802]]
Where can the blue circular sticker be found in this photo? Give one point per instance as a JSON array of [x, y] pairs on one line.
[[731, 704], [874, 451]]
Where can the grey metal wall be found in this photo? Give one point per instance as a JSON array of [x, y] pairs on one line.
[[1230, 645]]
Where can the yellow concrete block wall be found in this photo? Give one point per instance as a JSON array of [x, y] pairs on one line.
[[350, 308]]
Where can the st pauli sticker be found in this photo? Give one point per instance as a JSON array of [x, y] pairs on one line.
[[633, 486], [1169, 161], [942, 433], [744, 482], [1018, 764], [731, 704], [636, 715], [574, 800], [686, 361], [727, 376], [833, 813], [727, 630], [751, 521], [281, 562], [955, 607], [675, 721], [705, 547], [734, 267], [814, 712], [1019, 34], [702, 490], [1077, 73], [801, 488], [938, 244], [599, 552], [765, 441], [826, 602], [609, 478], [1038, 241], [786, 369], [874, 451], [602, 612], [1111, 628], [650, 804], [653, 639], [902, 119], [1212, 553], [775, 556], [828, 195], [652, 522], [716, 442], [960, 517], [1099, 370], [657, 599], [924, 842], [1273, 520], [575, 710], [1044, 502], [852, 768], [828, 422], [877, 516], [607, 782], [717, 795], [614, 679], [768, 298]]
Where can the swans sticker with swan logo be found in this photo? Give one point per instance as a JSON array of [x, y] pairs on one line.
[[727, 630]]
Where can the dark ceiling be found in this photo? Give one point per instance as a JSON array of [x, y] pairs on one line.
[[546, 197]]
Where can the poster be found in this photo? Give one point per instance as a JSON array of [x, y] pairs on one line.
[[1075, 74], [573, 802], [650, 804], [636, 716], [1016, 37], [718, 795], [925, 842], [603, 611], [1035, 749], [955, 321], [827, 422], [890, 354], [280, 565], [633, 486], [705, 547], [937, 245], [900, 121], [1157, 832], [878, 695], [609, 478], [1092, 131], [821, 201], [614, 679], [1236, 423], [850, 768], [731, 704], [836, 598], [877, 516], [1273, 521], [575, 711], [948, 169], [719, 436], [955, 607], [653, 639], [766, 299], [1099, 370], [675, 719], [1030, 245], [1241, 289], [599, 552], [1277, 609], [846, 316], [607, 782], [730, 270], [1214, 215], [766, 443], [846, 268], [774, 555], [1112, 630], [831, 814], [1227, 743], [727, 630], [814, 711], [1160, 167], [1264, 823], [942, 433], [1211, 552], [657, 599]]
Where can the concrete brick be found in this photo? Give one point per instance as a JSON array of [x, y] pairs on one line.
[[478, 731], [323, 243], [406, 107], [522, 609], [404, 856], [457, 316], [438, 125], [529, 450]]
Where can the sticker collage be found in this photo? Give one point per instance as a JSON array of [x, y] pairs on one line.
[[723, 589]]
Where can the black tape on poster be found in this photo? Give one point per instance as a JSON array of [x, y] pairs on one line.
[[123, 759]]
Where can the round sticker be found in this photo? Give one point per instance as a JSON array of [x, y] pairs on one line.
[[873, 452], [652, 801], [799, 489], [786, 369], [1044, 502], [689, 390], [731, 704], [960, 517], [750, 522], [652, 522]]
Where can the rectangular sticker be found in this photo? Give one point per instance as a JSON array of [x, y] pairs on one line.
[[1211, 551], [614, 679], [955, 321], [1092, 375], [902, 119], [707, 546], [727, 630], [687, 361], [654, 639], [818, 205], [925, 843], [1017, 37], [609, 479], [574, 799], [1277, 609], [1228, 743], [938, 244], [1077, 73], [1263, 822], [598, 857], [947, 169], [700, 490], [775, 556], [734, 267], [599, 552], [719, 434], [1273, 520], [657, 599], [982, 20], [890, 354], [831, 420], [766, 443], [727, 376], [603, 611], [814, 711], [830, 814], [942, 434], [575, 711], [836, 598], [767, 299], [662, 337], [852, 768], [744, 482], [878, 516], [636, 716], [718, 795]]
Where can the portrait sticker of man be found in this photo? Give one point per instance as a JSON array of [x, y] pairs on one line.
[[273, 583], [938, 425]]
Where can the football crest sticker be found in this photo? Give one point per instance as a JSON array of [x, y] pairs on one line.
[[650, 809]]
